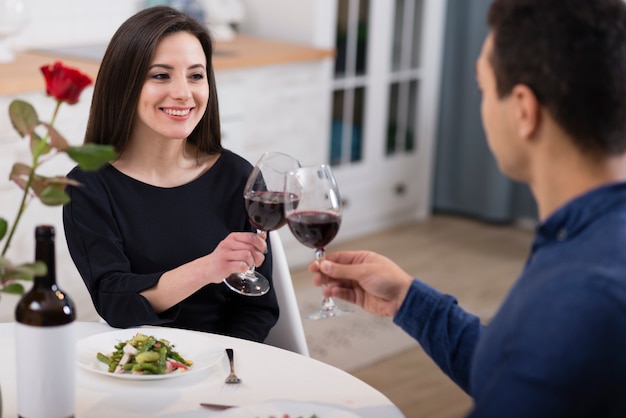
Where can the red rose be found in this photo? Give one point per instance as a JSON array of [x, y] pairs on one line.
[[64, 83]]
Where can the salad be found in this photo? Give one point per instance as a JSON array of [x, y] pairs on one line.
[[144, 354]]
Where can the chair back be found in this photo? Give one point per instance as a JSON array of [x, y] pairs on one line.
[[288, 333]]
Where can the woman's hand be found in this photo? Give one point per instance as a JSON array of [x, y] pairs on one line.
[[235, 254], [364, 278]]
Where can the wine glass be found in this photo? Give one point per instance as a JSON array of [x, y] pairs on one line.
[[264, 197], [314, 215], [13, 17]]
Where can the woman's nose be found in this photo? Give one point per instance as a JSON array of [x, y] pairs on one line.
[[180, 89]]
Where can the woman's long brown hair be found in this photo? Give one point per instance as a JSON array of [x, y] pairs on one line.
[[123, 72]]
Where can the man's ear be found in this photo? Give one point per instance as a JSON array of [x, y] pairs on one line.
[[526, 109]]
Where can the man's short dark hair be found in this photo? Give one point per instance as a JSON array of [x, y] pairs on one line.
[[572, 54]]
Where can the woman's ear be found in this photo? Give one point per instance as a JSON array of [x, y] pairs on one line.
[[526, 108]]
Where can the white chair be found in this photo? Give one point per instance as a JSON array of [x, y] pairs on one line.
[[288, 333]]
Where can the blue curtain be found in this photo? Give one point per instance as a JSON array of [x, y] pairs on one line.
[[467, 179]]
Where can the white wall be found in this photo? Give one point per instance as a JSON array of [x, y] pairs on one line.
[[283, 20], [75, 22], [72, 22]]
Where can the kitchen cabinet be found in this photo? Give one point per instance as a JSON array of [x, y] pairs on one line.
[[382, 121], [275, 108]]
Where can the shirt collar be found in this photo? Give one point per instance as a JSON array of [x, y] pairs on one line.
[[570, 219]]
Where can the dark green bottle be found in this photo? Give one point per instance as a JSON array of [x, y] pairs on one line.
[[45, 341]]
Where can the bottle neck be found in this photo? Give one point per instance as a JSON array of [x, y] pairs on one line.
[[44, 252]]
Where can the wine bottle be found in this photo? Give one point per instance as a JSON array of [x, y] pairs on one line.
[[45, 341]]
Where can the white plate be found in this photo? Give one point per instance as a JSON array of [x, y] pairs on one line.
[[201, 349], [278, 408]]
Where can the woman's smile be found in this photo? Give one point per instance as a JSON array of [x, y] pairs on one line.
[[177, 112]]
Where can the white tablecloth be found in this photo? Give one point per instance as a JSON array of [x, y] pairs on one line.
[[268, 374]]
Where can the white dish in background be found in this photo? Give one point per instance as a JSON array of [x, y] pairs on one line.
[[279, 408], [201, 349]]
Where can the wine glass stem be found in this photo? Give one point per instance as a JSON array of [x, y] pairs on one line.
[[250, 272], [327, 303]]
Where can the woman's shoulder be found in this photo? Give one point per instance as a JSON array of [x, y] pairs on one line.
[[91, 176], [95, 182], [235, 163], [90, 186]]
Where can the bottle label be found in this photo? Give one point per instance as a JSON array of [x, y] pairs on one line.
[[46, 370]]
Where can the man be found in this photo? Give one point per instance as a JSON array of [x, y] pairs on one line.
[[553, 78]]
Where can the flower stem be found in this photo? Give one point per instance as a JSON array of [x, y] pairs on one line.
[[31, 174], [54, 115], [21, 209]]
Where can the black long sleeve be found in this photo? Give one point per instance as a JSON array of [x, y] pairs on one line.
[[124, 234]]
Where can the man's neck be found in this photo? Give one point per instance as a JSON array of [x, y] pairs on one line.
[[570, 176]]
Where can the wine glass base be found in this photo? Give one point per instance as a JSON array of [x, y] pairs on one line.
[[326, 313], [256, 286]]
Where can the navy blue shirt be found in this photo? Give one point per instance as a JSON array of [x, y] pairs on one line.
[[557, 345], [123, 234]]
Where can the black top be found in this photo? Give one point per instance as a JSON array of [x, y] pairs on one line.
[[123, 234]]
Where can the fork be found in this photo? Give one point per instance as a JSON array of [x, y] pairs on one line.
[[232, 377]]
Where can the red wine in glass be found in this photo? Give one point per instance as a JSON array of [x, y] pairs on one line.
[[314, 217], [313, 228], [264, 198], [266, 209]]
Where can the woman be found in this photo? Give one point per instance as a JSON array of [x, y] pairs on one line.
[[152, 233]]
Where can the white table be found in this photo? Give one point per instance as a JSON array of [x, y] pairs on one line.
[[268, 374]]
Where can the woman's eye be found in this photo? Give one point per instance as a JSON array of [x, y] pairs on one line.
[[160, 76], [198, 76]]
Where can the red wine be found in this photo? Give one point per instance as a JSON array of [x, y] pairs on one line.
[[266, 210], [314, 229]]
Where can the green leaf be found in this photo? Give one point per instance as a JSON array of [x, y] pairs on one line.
[[23, 117], [4, 225], [13, 288], [91, 156], [19, 174], [5, 264], [38, 268], [37, 145], [54, 195], [24, 271], [56, 139], [10, 273], [50, 190]]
